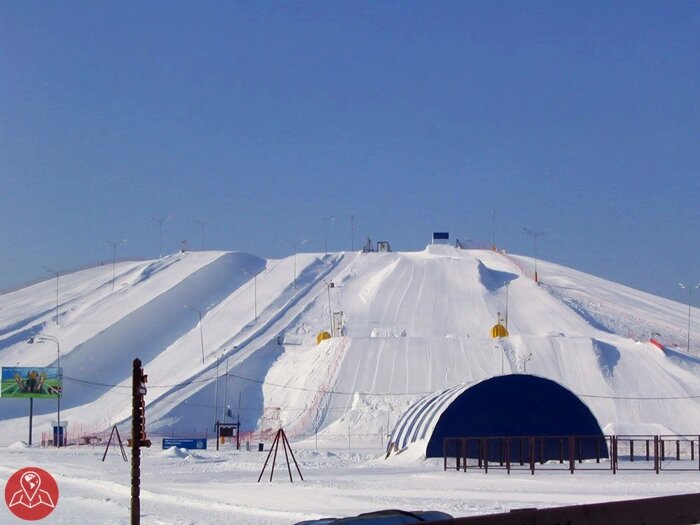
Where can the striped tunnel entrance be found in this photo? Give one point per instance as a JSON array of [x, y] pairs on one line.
[[511, 405]]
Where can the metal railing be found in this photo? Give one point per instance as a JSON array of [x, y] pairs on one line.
[[656, 453], [623, 452]]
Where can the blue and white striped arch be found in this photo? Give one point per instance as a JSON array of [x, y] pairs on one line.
[[511, 405], [419, 421]]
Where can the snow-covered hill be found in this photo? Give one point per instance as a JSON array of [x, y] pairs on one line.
[[413, 323]]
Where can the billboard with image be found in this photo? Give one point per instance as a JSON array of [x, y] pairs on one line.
[[31, 381]]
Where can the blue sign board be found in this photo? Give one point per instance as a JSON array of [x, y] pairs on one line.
[[441, 236], [190, 444]]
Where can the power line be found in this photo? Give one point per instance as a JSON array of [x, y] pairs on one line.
[[340, 392], [640, 398], [257, 381]]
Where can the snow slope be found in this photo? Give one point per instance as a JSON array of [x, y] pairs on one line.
[[414, 323]]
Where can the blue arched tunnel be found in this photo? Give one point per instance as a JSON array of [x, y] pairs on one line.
[[520, 406]]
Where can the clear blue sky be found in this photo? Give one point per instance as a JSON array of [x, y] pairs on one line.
[[579, 119]]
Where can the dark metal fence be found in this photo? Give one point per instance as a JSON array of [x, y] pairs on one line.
[[656, 453], [638, 452]]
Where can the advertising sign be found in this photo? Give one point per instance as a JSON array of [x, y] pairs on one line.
[[37, 382], [190, 444]]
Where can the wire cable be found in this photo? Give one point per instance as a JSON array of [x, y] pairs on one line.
[[343, 393]]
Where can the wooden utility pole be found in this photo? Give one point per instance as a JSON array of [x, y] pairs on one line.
[[138, 437]]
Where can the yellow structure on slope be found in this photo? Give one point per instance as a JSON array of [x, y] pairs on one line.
[[322, 336], [499, 331]]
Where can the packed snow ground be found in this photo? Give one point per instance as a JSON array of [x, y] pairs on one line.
[[216, 488], [414, 323]]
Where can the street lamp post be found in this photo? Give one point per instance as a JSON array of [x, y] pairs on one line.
[[225, 406], [296, 245], [41, 339], [216, 390], [202, 224], [329, 285], [690, 289], [201, 332], [160, 221], [114, 256], [529, 356], [534, 235], [54, 272], [255, 293]]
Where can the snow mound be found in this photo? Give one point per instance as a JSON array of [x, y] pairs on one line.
[[642, 429], [174, 452]]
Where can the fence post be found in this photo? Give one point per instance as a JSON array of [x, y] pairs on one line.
[[485, 449], [444, 453], [663, 450], [458, 444], [465, 446], [532, 454], [632, 450], [656, 454], [479, 452], [678, 450], [572, 451], [508, 455], [647, 450], [614, 453]]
